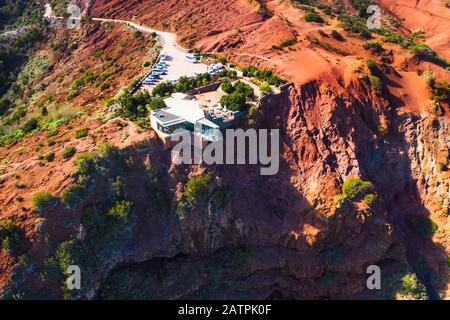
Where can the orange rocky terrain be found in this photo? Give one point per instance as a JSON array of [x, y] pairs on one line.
[[349, 111]]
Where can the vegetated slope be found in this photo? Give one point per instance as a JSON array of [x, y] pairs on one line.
[[431, 16], [54, 108], [143, 228]]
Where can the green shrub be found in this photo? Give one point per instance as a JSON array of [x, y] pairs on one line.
[[395, 38], [197, 188], [227, 86], [234, 102], [356, 188], [12, 137], [369, 199], [375, 47], [340, 200], [264, 75], [372, 65], [119, 187], [30, 125], [231, 74], [337, 35], [328, 46], [441, 91], [355, 24], [43, 200], [86, 164], [107, 150], [105, 86], [98, 53], [68, 152], [72, 94], [9, 235], [237, 99], [424, 52], [133, 106], [51, 133], [423, 226], [19, 113], [147, 64], [219, 197], [156, 103], [288, 43], [313, 17], [442, 167], [51, 143], [81, 133], [265, 88], [120, 210], [375, 83], [49, 157], [74, 194], [411, 288]]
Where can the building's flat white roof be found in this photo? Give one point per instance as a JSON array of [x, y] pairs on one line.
[[166, 118], [188, 109], [180, 108]]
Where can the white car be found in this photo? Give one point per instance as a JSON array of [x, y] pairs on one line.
[[191, 58]]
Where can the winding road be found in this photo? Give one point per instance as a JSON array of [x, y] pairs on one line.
[[177, 65]]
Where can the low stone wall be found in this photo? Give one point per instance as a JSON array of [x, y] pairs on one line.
[[208, 88], [265, 99]]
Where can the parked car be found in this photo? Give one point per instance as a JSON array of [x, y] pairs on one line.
[[159, 69], [191, 58]]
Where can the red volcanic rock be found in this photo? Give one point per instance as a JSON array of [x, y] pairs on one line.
[[291, 235]]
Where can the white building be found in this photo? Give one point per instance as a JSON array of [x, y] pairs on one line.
[[182, 113]]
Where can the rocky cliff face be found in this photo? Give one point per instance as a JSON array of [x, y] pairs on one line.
[[247, 236], [284, 236]]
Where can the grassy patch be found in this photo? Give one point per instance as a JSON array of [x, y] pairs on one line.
[[81, 133], [196, 188], [68, 152]]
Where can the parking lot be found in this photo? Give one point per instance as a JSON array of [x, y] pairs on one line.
[[175, 60]]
